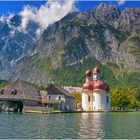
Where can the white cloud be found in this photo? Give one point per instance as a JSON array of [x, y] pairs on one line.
[[121, 2], [47, 14]]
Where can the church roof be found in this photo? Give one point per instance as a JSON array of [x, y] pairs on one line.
[[95, 85], [88, 73], [92, 86]]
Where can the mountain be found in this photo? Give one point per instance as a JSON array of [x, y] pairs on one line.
[[103, 36], [14, 43]]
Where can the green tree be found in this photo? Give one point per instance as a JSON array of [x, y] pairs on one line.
[[134, 103], [125, 98], [78, 98], [119, 98], [3, 84]]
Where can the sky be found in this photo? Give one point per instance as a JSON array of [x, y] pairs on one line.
[[17, 6]]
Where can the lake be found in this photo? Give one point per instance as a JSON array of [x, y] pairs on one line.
[[70, 125]]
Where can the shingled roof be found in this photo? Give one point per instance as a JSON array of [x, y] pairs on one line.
[[25, 91], [58, 90]]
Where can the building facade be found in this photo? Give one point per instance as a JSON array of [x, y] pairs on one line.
[[95, 92], [58, 98]]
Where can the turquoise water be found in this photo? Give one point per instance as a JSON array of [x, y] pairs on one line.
[[73, 125]]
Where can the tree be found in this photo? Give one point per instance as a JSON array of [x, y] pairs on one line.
[[125, 98], [3, 84], [134, 104], [78, 98], [119, 98]]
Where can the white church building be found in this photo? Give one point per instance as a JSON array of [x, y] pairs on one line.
[[95, 92]]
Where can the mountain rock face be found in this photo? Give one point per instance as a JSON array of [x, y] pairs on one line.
[[14, 43], [104, 36]]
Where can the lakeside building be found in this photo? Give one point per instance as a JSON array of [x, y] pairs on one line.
[[95, 92], [20, 96], [58, 98]]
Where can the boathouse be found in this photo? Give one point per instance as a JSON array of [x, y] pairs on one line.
[[18, 95], [21, 96]]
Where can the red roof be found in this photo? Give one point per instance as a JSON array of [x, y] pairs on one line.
[[88, 73], [98, 86], [88, 86], [96, 70]]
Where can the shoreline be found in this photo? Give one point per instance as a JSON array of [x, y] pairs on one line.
[[58, 112]]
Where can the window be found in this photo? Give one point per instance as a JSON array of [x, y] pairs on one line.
[[107, 99], [2, 91], [88, 98], [59, 97], [14, 92]]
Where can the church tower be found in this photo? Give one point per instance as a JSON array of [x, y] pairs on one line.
[[95, 93], [96, 74]]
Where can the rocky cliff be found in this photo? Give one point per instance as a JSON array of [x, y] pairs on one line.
[[14, 43]]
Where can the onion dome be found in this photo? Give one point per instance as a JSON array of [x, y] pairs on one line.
[[87, 87], [96, 70], [88, 73], [100, 86]]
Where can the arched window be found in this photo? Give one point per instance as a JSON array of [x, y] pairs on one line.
[[59, 97], [89, 98], [107, 99]]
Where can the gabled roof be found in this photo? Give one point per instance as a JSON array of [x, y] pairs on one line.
[[25, 91], [53, 89]]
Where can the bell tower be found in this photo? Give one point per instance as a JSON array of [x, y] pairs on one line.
[[96, 74]]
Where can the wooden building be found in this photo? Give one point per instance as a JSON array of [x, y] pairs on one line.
[[20, 95]]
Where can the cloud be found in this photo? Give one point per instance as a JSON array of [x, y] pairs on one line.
[[121, 2], [47, 14]]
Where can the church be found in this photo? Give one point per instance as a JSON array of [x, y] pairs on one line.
[[95, 92]]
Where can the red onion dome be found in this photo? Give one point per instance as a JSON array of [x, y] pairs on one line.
[[88, 73], [100, 86], [88, 86], [96, 70]]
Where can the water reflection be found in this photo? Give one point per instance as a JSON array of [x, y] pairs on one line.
[[70, 126], [91, 126]]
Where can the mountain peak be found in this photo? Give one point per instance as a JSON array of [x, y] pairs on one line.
[[105, 12], [105, 5]]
